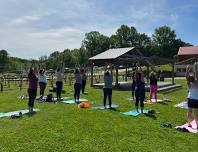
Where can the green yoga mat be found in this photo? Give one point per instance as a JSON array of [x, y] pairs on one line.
[[72, 101], [8, 114], [133, 113]]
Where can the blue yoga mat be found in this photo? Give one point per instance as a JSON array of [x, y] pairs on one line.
[[107, 107], [133, 113], [8, 114], [73, 101]]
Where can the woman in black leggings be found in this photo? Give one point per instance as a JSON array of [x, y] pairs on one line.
[[139, 91], [77, 85], [107, 89]]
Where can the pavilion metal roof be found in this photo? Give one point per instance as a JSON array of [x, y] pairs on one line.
[[112, 54]]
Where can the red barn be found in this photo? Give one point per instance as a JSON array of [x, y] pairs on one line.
[[188, 52], [186, 55]]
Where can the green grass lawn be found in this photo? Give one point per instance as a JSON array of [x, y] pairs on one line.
[[61, 127]]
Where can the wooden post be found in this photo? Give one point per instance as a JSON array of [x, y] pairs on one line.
[[173, 73], [116, 83], [91, 74], [126, 74]]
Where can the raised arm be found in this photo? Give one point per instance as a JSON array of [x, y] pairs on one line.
[[62, 67], [187, 75], [142, 76], [187, 72]]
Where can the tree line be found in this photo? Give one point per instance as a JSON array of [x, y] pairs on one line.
[[163, 42]]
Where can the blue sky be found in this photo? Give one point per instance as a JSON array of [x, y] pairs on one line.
[[32, 28]]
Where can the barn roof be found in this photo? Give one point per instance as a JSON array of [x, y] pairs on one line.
[[190, 50]]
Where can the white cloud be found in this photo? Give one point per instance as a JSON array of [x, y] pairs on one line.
[[24, 20]]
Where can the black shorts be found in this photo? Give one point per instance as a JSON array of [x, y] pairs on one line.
[[193, 103]]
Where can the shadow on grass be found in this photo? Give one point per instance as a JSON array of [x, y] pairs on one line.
[[31, 114], [163, 103], [154, 117], [114, 109]]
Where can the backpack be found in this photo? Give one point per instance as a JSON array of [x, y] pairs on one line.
[[49, 98]]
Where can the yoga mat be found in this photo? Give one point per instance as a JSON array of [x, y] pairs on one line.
[[23, 97], [192, 129], [183, 105], [72, 101], [133, 112], [153, 100], [63, 98], [8, 114], [101, 107], [130, 99], [72, 92]]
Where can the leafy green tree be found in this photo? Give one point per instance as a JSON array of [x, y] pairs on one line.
[[113, 40], [3, 59], [143, 40], [95, 43], [82, 56], [134, 37], [124, 37], [164, 36], [69, 58]]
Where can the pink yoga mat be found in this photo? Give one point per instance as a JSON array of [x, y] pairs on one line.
[[192, 129]]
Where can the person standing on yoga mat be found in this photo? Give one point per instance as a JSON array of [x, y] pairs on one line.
[[59, 81], [107, 89], [42, 82], [153, 85], [133, 84], [192, 81], [139, 90], [77, 85], [84, 79], [32, 89]]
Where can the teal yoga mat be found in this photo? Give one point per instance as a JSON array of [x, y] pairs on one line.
[[101, 107], [8, 114], [133, 113], [72, 101]]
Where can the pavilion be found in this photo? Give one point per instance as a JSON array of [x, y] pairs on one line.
[[126, 57]]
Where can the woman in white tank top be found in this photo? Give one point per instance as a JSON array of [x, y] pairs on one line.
[[192, 81]]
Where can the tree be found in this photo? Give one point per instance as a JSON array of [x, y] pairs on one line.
[[164, 36], [3, 59], [95, 43], [113, 40], [69, 57], [134, 37], [82, 56], [53, 60], [127, 37], [143, 40], [124, 37]]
